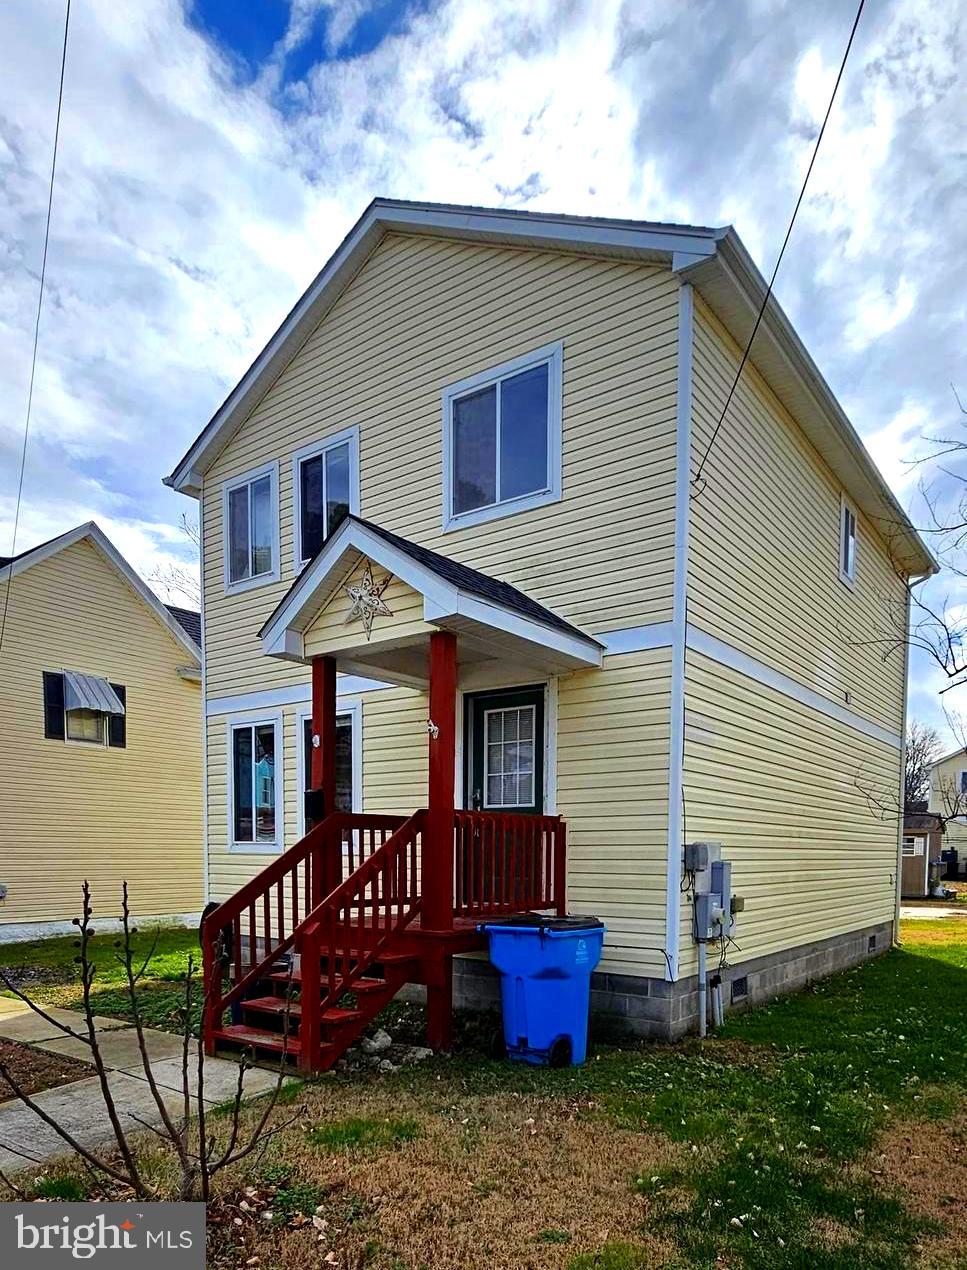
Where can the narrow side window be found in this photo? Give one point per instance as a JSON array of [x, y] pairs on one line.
[[847, 543]]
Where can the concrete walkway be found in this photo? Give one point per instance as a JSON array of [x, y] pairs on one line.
[[927, 912], [79, 1107]]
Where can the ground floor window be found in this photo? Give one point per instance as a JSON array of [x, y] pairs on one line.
[[913, 845], [254, 782]]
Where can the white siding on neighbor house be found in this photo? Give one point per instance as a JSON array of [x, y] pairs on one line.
[[424, 313], [945, 798], [764, 547], [784, 789]]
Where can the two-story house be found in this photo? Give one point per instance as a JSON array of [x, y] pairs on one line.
[[474, 541]]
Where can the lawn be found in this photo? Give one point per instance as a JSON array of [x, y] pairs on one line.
[[828, 1130]]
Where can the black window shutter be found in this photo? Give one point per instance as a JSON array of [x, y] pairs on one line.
[[117, 724], [53, 705]]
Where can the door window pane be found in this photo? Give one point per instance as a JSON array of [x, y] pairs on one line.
[[311, 499], [523, 433], [508, 759], [475, 450], [261, 526], [238, 555], [242, 784], [337, 486]]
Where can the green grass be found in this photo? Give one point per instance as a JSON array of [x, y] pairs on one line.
[[358, 1132], [161, 993], [68, 1188]]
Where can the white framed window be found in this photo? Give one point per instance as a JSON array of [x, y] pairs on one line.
[[85, 725], [250, 514], [325, 486], [349, 758], [509, 756], [847, 542], [502, 439], [913, 845], [255, 783]]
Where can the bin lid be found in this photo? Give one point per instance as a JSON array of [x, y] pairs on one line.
[[541, 921]]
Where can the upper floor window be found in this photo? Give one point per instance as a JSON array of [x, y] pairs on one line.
[[502, 439], [325, 482], [85, 708], [252, 529], [847, 543]]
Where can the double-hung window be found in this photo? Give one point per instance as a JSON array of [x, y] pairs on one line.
[[325, 482], [252, 529], [502, 439], [847, 543], [255, 797], [83, 707]]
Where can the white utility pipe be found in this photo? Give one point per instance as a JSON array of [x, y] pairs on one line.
[[702, 993]]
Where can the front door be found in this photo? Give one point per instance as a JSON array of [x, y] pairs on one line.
[[504, 744]]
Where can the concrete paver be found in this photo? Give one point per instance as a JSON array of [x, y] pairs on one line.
[[79, 1107]]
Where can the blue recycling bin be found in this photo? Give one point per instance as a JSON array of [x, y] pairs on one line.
[[545, 966]]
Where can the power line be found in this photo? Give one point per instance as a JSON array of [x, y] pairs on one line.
[[696, 480], [40, 305]]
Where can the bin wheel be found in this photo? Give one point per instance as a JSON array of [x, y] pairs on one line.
[[560, 1055], [498, 1046]]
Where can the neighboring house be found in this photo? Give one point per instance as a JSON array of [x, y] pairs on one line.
[[923, 842], [948, 797], [100, 695], [463, 475]]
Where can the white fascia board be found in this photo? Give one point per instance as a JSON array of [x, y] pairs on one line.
[[641, 239], [92, 531], [583, 652]]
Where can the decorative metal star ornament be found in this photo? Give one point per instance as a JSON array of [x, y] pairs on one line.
[[367, 598]]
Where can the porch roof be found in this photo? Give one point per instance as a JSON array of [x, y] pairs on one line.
[[494, 617]]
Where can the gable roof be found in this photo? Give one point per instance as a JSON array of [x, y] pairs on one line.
[[11, 566], [189, 620], [455, 597], [713, 260]]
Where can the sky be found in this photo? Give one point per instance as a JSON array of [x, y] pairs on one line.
[[213, 154]]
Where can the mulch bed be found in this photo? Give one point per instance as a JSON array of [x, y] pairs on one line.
[[34, 1070]]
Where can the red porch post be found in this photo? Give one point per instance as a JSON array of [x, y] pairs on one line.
[[437, 871], [323, 774]]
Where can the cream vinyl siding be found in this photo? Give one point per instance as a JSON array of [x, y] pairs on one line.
[[73, 811], [330, 631], [612, 789], [424, 313], [781, 787], [394, 745], [764, 570]]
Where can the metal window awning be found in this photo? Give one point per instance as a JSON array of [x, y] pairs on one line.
[[90, 692]]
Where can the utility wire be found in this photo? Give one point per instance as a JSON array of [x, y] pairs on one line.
[[697, 479], [40, 305]]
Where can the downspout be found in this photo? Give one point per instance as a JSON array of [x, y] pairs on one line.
[[206, 881]]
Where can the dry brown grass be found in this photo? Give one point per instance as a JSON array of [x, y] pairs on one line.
[[506, 1183], [925, 1162]]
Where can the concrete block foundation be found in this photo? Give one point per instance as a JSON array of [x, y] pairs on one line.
[[640, 1006]]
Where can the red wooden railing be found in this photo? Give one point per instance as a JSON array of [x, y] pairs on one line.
[[506, 863], [353, 926], [259, 923]]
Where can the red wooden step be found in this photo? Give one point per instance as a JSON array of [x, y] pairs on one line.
[[277, 1006], [241, 1034]]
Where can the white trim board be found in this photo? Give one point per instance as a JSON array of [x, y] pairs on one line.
[[676, 737], [297, 694], [700, 642]]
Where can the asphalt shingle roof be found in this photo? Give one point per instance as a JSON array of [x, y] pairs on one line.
[[188, 620]]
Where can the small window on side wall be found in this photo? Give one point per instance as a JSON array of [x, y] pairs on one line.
[[251, 529], [325, 483], [847, 543], [255, 794], [84, 708], [502, 439]]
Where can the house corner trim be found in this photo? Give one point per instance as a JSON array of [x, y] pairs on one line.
[[683, 436]]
